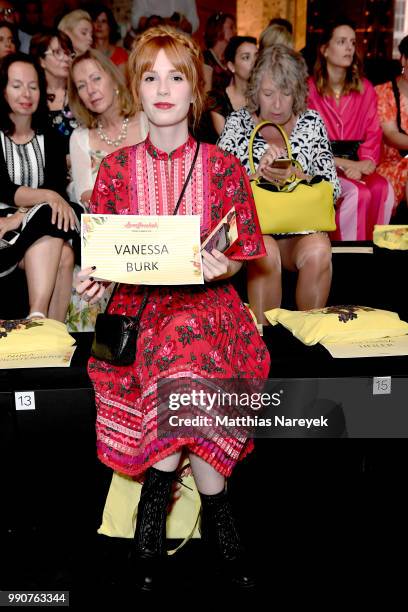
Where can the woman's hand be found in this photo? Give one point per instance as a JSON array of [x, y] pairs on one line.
[[85, 197], [366, 166], [353, 173], [355, 169], [10, 223], [266, 169], [62, 213], [87, 288], [216, 266]]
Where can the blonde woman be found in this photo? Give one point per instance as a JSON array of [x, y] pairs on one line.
[[78, 26], [275, 34], [277, 92], [105, 108]]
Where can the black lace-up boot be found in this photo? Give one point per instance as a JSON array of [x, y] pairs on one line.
[[220, 534], [150, 534]]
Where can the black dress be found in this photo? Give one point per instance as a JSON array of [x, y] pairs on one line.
[[40, 163], [221, 77], [64, 123], [219, 102]]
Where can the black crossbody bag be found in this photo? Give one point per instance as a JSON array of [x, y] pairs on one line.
[[115, 335], [347, 149]]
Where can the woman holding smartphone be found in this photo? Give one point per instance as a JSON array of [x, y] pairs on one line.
[[277, 93], [201, 331]]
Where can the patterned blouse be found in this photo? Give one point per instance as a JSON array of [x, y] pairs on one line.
[[139, 180], [393, 165], [309, 142], [25, 162]]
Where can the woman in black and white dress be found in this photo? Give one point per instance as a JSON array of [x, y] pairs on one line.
[[36, 221], [277, 92]]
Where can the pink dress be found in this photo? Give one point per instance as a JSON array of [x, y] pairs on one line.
[[371, 200], [192, 331]]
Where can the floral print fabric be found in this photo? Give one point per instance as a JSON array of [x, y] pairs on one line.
[[392, 166], [185, 331]]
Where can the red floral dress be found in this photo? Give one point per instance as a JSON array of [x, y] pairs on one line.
[[392, 165], [186, 331]]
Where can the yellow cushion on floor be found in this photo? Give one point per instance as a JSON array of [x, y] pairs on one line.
[[120, 512], [339, 323]]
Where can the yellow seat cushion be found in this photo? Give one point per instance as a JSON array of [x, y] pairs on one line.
[[27, 335], [393, 237], [339, 323]]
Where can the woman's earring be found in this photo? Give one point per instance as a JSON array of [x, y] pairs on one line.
[[117, 91], [403, 70]]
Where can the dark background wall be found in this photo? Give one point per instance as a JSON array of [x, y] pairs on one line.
[[374, 20], [55, 8]]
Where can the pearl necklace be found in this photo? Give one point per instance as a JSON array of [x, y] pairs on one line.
[[119, 139]]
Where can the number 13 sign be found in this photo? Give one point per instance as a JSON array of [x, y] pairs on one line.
[[25, 400]]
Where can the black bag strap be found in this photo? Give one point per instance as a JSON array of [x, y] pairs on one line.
[[398, 103], [175, 211], [397, 97]]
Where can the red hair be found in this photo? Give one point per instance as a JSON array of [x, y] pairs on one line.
[[183, 53]]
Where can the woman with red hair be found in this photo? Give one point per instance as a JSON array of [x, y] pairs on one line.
[[186, 332]]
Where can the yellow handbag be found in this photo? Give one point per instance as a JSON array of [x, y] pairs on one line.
[[296, 206]]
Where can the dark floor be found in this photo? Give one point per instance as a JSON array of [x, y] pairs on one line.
[[293, 499]]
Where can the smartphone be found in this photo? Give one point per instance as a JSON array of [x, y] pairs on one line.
[[4, 244], [281, 162], [11, 236], [8, 239]]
